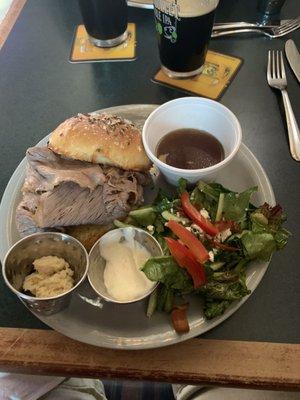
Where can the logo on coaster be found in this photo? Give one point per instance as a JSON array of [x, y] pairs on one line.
[[218, 72]]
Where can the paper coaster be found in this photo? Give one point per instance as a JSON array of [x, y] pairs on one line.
[[219, 71], [84, 51]]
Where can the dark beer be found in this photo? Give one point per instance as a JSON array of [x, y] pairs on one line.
[[183, 29], [104, 20]]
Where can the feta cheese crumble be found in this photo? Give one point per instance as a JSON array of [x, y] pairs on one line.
[[197, 228], [222, 236], [211, 256], [150, 228], [204, 213]]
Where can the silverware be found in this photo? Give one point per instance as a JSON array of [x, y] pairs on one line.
[[236, 25], [293, 56], [272, 32], [18, 264], [277, 79]]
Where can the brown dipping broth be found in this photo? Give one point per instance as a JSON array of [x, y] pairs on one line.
[[190, 149]]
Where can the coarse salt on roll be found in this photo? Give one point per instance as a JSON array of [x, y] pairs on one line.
[[101, 139]]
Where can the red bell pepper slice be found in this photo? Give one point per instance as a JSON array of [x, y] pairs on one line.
[[196, 217], [179, 319], [185, 258], [190, 240]]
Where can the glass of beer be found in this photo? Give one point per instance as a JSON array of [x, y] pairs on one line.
[[183, 29], [105, 21]]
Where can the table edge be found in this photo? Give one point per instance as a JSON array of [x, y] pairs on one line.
[[255, 365], [10, 19]]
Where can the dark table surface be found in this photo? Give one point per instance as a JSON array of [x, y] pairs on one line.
[[39, 88]]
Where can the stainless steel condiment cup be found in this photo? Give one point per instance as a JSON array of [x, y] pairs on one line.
[[18, 264], [97, 262]]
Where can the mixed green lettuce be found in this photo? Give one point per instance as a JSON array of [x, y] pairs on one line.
[[255, 233]]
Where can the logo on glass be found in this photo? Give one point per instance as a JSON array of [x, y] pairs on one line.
[[166, 15], [183, 31]]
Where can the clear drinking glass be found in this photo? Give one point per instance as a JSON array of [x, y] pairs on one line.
[[183, 30], [270, 7], [105, 21]]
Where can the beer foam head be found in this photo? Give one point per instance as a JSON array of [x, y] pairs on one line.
[[196, 8], [187, 8]]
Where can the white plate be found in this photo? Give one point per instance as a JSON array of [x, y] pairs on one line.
[[126, 326], [141, 3]]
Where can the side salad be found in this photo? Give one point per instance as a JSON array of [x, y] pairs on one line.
[[209, 235]]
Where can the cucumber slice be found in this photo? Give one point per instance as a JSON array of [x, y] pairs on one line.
[[144, 216], [216, 265], [167, 215], [120, 224]]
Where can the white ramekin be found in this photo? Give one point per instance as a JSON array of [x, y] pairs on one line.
[[197, 113]]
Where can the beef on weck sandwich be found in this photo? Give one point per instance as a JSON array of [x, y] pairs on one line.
[[92, 172]]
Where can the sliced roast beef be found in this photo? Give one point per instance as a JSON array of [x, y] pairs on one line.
[[45, 170], [59, 192]]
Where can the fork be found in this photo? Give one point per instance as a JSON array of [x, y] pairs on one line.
[[219, 26], [272, 32], [277, 79]]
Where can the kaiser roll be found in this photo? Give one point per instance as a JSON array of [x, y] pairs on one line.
[[100, 139]]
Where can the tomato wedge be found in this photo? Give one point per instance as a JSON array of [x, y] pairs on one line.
[[187, 260], [195, 216], [179, 319], [190, 240]]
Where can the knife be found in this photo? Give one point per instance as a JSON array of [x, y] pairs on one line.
[[293, 56], [233, 25]]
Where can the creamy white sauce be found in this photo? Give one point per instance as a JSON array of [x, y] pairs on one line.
[[124, 256]]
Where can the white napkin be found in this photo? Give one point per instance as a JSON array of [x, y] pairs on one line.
[[32, 387], [189, 392], [78, 389]]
